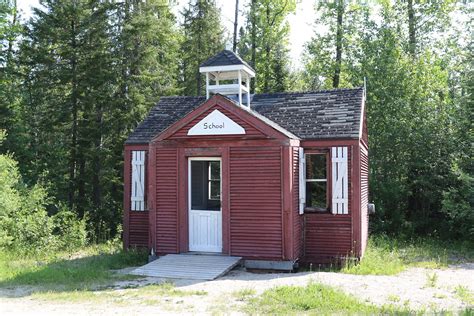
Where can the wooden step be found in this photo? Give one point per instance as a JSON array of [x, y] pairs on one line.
[[188, 266]]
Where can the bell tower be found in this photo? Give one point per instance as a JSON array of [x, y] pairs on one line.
[[227, 74]]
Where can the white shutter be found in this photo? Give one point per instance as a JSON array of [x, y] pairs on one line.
[[339, 180], [302, 180], [137, 199]]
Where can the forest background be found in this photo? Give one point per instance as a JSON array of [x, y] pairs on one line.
[[78, 76]]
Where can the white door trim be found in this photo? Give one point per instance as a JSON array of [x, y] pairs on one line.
[[212, 215]]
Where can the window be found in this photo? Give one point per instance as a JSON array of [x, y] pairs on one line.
[[214, 184], [205, 184], [316, 182]]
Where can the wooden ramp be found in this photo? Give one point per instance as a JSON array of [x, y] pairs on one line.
[[186, 266]]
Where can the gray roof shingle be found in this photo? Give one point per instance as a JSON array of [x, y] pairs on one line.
[[308, 115], [224, 58]]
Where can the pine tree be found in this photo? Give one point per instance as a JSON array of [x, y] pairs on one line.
[[9, 72], [264, 43], [328, 55], [92, 69], [203, 38]]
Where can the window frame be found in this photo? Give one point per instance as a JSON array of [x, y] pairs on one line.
[[327, 153]]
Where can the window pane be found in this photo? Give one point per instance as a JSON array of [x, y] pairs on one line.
[[215, 190], [205, 193], [316, 166], [215, 172], [316, 195]]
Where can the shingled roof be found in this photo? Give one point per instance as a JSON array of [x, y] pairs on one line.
[[224, 58], [308, 115]]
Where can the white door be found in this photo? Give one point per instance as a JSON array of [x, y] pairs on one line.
[[205, 212]]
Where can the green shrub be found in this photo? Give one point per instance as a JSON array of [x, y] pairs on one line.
[[24, 221], [10, 199], [458, 205], [70, 231], [25, 225]]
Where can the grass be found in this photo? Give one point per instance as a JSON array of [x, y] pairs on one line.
[[91, 267], [313, 299], [85, 275], [318, 299], [388, 256], [149, 294], [167, 289], [464, 294], [439, 295], [431, 279], [244, 294], [394, 298]]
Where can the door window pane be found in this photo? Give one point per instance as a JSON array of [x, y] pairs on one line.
[[214, 190], [205, 185], [214, 170]]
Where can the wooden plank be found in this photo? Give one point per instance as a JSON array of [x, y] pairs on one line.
[[185, 266]]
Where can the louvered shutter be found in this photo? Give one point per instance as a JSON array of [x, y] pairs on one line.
[[302, 180], [339, 180], [138, 181]]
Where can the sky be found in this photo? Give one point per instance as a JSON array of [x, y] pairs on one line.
[[300, 22]]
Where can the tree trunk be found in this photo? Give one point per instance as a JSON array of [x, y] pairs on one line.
[[74, 108], [267, 73], [253, 39], [11, 37], [199, 48], [338, 61], [411, 29], [236, 20], [97, 166]]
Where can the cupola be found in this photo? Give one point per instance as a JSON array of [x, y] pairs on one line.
[[227, 74]]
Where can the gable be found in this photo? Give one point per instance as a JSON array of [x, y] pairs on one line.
[[218, 110], [216, 123]]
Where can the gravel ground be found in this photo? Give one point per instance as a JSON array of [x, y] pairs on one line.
[[411, 288]]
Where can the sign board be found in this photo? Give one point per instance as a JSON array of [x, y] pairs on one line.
[[216, 123]]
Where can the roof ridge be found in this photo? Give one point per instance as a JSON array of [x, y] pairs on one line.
[[270, 93], [181, 96], [309, 92]]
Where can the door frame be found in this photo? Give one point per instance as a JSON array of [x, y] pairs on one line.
[[189, 208]]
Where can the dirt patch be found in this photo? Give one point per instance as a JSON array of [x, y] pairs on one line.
[[416, 288]]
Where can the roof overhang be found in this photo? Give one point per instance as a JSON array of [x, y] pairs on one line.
[[217, 70]]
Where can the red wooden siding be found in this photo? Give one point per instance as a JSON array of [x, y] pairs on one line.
[[298, 219], [135, 223], [250, 131], [327, 237], [364, 198], [138, 229], [166, 200], [255, 202]]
